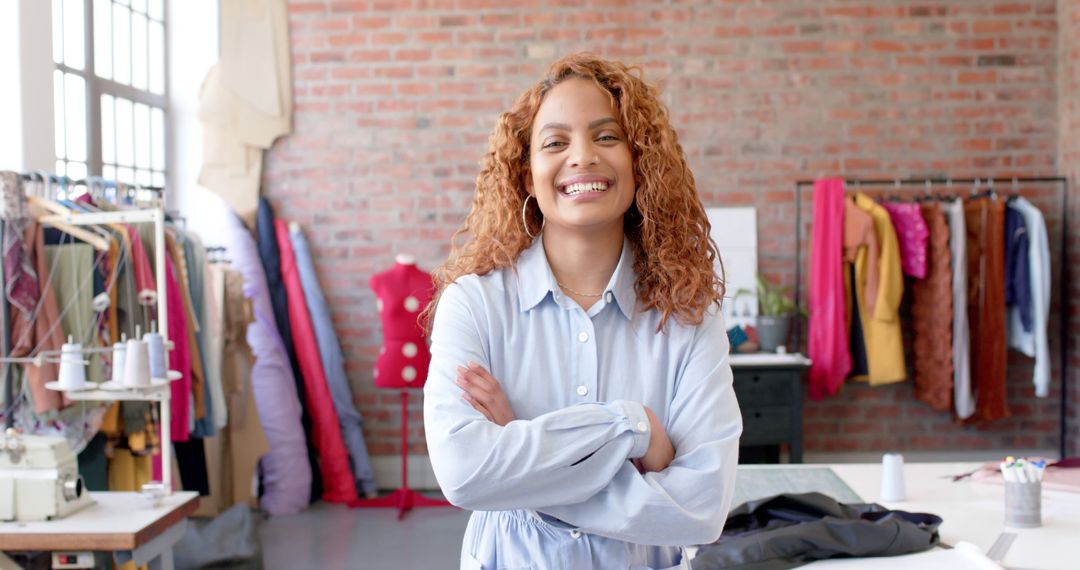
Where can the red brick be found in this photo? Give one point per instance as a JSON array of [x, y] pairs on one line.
[[997, 27], [802, 47], [412, 54], [389, 38], [371, 22]]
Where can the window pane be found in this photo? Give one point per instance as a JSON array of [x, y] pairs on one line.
[[159, 179], [157, 10], [102, 39], [138, 51], [142, 136], [143, 177], [74, 50], [75, 97], [157, 130], [57, 31], [125, 152], [76, 170], [157, 58], [61, 168], [58, 113], [139, 5], [125, 175], [108, 130], [108, 172], [121, 45], [124, 2]]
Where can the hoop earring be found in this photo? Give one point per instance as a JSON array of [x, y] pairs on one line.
[[525, 221]]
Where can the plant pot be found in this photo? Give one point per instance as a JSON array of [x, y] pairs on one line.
[[773, 331]]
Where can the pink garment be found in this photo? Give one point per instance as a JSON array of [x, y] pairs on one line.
[[828, 342], [145, 285], [338, 483], [179, 356], [913, 235]]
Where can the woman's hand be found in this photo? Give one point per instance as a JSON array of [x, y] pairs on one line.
[[660, 452], [484, 393]]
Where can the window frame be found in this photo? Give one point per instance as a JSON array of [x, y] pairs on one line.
[[97, 86]]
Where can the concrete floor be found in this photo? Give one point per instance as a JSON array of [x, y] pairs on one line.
[[335, 537]]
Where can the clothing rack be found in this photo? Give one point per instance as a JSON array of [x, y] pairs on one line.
[[163, 396], [935, 187], [97, 187]]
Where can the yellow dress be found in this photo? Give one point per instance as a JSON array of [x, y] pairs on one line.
[[881, 328]]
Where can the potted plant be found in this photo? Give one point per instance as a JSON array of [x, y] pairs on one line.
[[775, 311]]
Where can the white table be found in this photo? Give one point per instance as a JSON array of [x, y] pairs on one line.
[[973, 512], [117, 522]]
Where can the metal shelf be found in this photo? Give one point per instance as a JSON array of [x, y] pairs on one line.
[[149, 394]]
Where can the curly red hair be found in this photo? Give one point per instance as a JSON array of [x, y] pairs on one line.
[[666, 225]]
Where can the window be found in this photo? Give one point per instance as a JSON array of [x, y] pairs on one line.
[[109, 89]]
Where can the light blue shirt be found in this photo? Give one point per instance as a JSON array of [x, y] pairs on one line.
[[556, 488]]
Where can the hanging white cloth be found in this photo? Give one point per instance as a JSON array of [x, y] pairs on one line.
[[963, 399], [245, 102], [1034, 343]]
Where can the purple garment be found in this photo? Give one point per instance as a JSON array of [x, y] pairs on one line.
[[913, 235], [286, 474]]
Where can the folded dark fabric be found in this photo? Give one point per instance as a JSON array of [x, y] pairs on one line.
[[790, 530]]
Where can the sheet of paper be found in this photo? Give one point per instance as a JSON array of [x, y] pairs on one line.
[[735, 232]]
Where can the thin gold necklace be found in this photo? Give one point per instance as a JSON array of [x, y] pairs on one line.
[[579, 293]]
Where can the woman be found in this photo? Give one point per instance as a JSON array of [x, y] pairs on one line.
[[580, 396]]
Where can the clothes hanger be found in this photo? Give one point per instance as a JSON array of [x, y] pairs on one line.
[[54, 214]]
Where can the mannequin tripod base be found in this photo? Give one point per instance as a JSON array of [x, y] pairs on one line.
[[404, 499]]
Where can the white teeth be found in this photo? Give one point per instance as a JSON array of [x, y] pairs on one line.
[[586, 187]]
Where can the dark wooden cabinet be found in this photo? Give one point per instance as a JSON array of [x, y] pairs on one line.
[[770, 397]]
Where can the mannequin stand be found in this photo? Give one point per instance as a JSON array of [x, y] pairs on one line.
[[404, 499]]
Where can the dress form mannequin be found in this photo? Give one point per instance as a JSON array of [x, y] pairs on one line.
[[402, 292]]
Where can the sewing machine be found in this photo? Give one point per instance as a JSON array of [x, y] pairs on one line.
[[39, 478]]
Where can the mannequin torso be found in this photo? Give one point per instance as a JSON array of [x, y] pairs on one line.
[[402, 291]]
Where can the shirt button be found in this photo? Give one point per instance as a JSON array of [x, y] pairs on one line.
[[642, 426], [582, 390], [583, 336], [575, 533], [610, 297]]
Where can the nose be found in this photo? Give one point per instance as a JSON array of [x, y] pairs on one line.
[[584, 155]]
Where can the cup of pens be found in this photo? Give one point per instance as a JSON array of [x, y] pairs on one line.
[[1023, 492]]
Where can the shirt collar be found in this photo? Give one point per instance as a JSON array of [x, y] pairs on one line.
[[536, 281]]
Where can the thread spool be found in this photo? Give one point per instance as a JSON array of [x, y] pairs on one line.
[[156, 345], [72, 367], [137, 364], [119, 359], [892, 477]]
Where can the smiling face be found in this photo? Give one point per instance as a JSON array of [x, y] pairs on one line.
[[581, 168]]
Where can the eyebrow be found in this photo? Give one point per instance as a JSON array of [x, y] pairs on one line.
[[566, 127]]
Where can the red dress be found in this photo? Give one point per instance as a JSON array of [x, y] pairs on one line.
[[402, 291]]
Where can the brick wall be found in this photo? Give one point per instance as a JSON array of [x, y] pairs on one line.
[[395, 100], [1069, 120]]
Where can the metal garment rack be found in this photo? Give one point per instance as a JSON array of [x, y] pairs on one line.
[[162, 395], [938, 186]]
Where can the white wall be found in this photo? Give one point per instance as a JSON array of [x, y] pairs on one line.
[[193, 48], [26, 107]]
